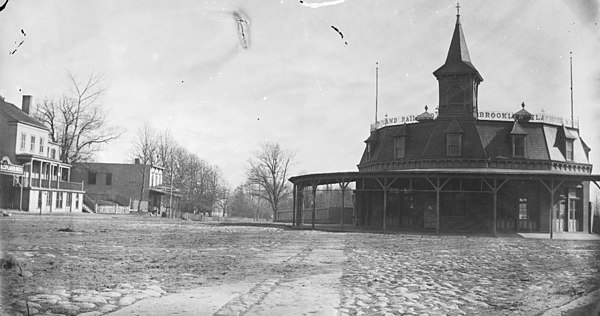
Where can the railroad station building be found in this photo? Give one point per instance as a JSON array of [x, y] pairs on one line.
[[464, 167]]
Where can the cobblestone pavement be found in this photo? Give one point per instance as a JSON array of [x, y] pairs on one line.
[[268, 271], [456, 275]]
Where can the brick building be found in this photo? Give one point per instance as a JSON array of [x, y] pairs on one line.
[[466, 168], [139, 186], [33, 179]]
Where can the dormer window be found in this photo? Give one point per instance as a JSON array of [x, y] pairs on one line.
[[518, 146], [518, 134], [371, 144], [399, 137], [569, 149], [453, 145], [454, 139], [399, 147]]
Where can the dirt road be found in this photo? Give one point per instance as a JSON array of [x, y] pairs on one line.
[[307, 281]]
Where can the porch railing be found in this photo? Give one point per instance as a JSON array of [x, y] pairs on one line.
[[51, 184]]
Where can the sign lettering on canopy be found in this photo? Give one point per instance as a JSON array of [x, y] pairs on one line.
[[484, 115], [6, 167]]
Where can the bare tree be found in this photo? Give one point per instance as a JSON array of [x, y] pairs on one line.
[[268, 169], [77, 121], [145, 152]]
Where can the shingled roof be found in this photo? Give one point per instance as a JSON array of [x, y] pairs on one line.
[[14, 114], [458, 59]]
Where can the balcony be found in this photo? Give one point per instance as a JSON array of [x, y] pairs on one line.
[[50, 184]]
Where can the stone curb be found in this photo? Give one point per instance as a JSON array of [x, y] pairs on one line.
[[592, 298]]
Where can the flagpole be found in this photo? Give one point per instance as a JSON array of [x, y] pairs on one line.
[[376, 89], [571, 68]]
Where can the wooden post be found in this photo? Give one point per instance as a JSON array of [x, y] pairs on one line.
[[384, 208], [551, 209], [495, 187], [343, 185], [342, 212], [314, 206], [552, 189], [385, 186], [294, 205], [437, 206], [495, 207], [438, 188]]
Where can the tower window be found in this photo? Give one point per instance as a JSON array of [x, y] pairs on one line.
[[518, 146], [453, 144]]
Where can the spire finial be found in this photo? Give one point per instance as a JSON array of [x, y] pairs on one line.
[[523, 105], [457, 9], [426, 108]]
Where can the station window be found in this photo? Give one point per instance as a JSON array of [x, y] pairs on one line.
[[49, 198], [399, 147], [518, 145], [453, 144], [108, 178], [569, 149], [41, 145], [69, 198], [522, 208]]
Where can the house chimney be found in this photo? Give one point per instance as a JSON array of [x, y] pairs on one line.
[[136, 161], [26, 105]]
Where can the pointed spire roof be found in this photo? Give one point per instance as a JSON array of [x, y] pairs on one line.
[[458, 60], [518, 129]]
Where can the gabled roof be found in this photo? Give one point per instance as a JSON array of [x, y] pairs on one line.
[[14, 114], [458, 59], [567, 133], [454, 128], [518, 129], [401, 132]]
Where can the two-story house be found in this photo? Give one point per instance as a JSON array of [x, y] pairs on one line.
[[138, 185], [44, 186]]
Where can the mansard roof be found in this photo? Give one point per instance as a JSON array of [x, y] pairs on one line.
[[482, 140]]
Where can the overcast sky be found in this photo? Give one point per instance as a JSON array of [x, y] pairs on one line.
[[181, 65]]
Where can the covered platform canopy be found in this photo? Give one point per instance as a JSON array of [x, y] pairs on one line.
[[437, 179]]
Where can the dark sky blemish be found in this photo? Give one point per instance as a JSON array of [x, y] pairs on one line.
[[3, 6], [339, 32]]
